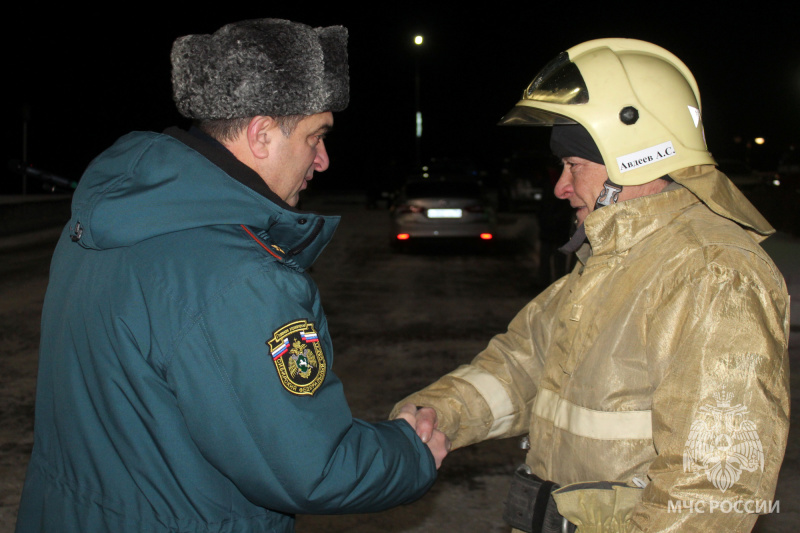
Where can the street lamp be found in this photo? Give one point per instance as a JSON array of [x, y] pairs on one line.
[[418, 117]]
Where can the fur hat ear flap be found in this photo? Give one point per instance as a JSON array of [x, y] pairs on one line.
[[261, 67]]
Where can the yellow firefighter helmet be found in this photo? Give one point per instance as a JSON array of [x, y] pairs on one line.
[[639, 102]]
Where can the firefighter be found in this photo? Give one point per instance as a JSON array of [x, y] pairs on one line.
[[652, 381]]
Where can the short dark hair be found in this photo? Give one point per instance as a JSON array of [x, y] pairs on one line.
[[228, 129], [287, 123]]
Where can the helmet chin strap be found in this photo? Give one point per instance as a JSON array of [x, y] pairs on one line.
[[609, 195]]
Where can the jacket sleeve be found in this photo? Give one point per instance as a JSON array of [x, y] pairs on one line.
[[491, 397], [718, 351], [293, 453]]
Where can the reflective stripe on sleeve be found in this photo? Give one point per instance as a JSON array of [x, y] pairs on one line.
[[601, 425], [495, 395]]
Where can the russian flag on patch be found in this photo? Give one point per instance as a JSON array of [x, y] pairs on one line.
[[280, 350], [309, 337]]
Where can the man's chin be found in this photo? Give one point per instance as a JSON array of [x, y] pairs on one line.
[[580, 215]]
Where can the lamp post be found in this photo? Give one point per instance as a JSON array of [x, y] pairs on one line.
[[418, 115]]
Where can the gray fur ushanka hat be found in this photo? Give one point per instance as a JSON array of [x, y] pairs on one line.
[[261, 67]]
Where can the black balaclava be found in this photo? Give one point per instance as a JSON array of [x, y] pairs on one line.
[[573, 140]]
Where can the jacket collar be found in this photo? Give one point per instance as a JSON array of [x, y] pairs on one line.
[[300, 236], [215, 152], [616, 228]]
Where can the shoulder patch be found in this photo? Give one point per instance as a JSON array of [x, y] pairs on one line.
[[297, 353]]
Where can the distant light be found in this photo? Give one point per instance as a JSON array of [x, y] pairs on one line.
[[403, 236], [426, 175], [486, 236], [418, 40], [759, 140], [776, 183], [419, 124]]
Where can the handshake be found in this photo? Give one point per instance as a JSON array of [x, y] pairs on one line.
[[424, 422]]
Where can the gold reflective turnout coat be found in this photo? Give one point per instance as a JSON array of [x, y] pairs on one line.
[[662, 359]]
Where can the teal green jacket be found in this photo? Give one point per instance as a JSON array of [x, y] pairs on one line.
[[186, 369]]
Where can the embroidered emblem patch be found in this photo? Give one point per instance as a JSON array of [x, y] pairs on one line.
[[297, 354]]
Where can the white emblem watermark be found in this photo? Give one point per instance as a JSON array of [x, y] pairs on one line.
[[725, 506], [723, 443]]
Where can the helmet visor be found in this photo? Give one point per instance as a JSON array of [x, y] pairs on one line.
[[559, 82], [521, 115]]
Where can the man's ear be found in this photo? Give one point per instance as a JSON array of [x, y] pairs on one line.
[[260, 132]]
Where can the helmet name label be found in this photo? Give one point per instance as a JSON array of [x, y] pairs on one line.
[[645, 157]]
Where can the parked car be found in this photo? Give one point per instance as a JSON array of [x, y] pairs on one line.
[[430, 209]]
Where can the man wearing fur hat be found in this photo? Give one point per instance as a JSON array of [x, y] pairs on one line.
[[653, 380], [185, 373]]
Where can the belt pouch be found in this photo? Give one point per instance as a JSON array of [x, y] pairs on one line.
[[530, 507]]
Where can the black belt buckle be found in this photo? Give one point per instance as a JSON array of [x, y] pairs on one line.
[[530, 507]]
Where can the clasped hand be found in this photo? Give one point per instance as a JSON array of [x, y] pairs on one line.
[[424, 422]]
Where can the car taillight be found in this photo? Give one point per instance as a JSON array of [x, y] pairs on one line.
[[474, 209], [403, 236], [403, 209], [486, 236]]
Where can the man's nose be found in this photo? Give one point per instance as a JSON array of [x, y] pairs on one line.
[[563, 188], [321, 161]]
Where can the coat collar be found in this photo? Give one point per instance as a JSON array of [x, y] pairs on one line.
[[616, 228], [150, 184], [300, 236], [216, 152]]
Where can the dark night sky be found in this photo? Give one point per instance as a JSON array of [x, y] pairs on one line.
[[86, 83]]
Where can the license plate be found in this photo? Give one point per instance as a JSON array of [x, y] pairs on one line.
[[444, 213]]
